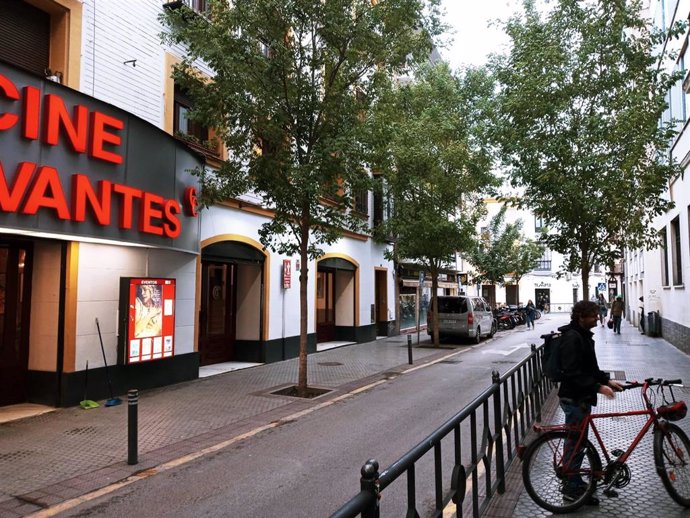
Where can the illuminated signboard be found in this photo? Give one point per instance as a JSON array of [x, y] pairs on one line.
[[70, 164], [150, 314]]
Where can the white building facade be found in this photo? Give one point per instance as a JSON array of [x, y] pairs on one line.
[[660, 275], [543, 284]]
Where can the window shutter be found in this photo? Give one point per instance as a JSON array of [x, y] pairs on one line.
[[24, 36]]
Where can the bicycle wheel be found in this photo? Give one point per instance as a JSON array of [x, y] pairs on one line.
[[544, 473], [672, 459]]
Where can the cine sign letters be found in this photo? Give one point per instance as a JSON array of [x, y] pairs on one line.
[[84, 131]]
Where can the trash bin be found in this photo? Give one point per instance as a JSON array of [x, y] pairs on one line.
[[653, 324]]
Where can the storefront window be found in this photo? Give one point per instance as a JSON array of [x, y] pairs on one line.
[[408, 311]]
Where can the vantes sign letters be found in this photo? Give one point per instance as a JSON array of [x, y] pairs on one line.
[[70, 164]]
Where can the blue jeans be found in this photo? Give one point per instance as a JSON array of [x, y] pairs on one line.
[[617, 324], [574, 415], [530, 320]]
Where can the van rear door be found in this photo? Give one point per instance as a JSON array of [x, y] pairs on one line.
[[452, 315]]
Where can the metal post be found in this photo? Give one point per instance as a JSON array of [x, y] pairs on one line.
[[409, 349], [132, 426], [370, 483], [498, 426]]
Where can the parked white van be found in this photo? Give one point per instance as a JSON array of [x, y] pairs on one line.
[[464, 316]]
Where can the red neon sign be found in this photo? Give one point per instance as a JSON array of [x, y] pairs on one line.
[[36, 186], [57, 122]]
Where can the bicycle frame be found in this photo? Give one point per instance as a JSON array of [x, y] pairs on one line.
[[588, 422]]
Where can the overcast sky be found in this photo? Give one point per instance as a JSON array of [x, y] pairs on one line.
[[473, 39]]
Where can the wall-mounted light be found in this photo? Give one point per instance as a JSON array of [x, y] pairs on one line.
[[132, 62]]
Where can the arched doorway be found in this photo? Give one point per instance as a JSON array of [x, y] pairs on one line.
[[231, 310], [336, 299]]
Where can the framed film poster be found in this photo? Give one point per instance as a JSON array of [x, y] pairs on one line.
[[150, 316]]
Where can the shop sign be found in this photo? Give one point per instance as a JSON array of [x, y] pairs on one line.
[[287, 273], [72, 164]]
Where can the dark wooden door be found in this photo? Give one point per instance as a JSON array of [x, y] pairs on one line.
[[381, 303], [15, 285], [325, 305], [217, 321]]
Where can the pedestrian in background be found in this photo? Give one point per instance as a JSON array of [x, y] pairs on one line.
[[617, 309], [642, 315], [530, 313], [603, 308]]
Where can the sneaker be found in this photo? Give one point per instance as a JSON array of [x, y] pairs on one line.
[[573, 494]]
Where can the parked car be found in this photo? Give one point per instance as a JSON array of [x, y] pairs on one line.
[[464, 316]]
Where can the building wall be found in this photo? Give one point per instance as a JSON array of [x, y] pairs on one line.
[[116, 32], [644, 273], [100, 270], [45, 305], [284, 303]]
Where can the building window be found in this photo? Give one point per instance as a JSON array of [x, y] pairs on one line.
[[538, 223], [379, 200], [544, 263], [43, 37], [664, 257], [676, 252], [183, 126], [361, 201]]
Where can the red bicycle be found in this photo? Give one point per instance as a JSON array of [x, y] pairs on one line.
[[548, 459]]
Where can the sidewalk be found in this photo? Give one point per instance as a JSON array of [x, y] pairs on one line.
[[60, 455], [629, 356]]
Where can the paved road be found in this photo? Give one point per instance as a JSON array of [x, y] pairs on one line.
[[309, 466]]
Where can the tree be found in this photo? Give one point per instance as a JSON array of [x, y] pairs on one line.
[[436, 164], [493, 257], [525, 255], [292, 80], [580, 104]]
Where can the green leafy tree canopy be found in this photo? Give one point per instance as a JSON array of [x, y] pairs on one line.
[[292, 81], [580, 102], [436, 164]]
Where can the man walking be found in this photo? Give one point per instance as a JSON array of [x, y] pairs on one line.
[[617, 309], [583, 380]]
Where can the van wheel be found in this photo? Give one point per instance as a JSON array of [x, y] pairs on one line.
[[494, 328], [478, 336]]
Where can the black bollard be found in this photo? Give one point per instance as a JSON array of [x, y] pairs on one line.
[[132, 426], [409, 349]]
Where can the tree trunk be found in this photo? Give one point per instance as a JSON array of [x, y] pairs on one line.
[[585, 274], [396, 289], [434, 306], [303, 308]]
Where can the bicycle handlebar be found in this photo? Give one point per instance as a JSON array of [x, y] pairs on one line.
[[651, 382]]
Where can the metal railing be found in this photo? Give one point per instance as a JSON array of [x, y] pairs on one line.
[[506, 411]]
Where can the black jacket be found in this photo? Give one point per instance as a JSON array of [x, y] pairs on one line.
[[579, 363]]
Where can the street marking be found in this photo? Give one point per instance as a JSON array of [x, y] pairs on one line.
[[506, 352]]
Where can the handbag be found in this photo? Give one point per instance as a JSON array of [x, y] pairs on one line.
[[609, 324]]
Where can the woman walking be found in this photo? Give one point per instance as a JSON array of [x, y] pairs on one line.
[[530, 313], [601, 301]]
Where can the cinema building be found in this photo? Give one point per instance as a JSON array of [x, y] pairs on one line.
[[105, 258]]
